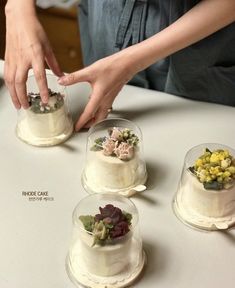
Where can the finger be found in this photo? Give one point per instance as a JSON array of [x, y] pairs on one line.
[[89, 110], [95, 110], [52, 63], [75, 77], [9, 77], [106, 105], [101, 114], [40, 76], [38, 66], [89, 123], [20, 86], [14, 98]]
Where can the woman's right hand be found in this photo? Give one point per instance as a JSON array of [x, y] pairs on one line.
[[27, 46]]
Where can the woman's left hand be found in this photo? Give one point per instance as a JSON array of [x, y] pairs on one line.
[[106, 77]]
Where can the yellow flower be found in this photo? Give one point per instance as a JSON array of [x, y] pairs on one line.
[[214, 158], [231, 169], [226, 174], [198, 162]]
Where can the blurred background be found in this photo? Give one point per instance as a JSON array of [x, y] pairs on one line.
[[61, 25]]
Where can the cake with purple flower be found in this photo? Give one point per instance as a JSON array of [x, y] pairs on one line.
[[106, 241]]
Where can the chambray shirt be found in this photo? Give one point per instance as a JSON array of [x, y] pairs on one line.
[[204, 71]]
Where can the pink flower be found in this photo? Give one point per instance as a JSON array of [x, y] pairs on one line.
[[108, 147], [124, 151], [116, 134]]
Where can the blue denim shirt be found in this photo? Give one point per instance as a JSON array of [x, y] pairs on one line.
[[204, 71]]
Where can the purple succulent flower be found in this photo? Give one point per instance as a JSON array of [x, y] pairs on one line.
[[117, 221], [119, 230], [124, 151], [109, 214]]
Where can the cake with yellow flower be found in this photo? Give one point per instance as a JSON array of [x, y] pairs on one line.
[[208, 189]]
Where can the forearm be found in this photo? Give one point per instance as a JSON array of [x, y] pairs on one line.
[[201, 21], [21, 22], [20, 7]]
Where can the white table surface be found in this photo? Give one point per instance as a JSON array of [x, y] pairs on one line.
[[34, 235]]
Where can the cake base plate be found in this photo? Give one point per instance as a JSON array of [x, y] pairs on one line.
[[127, 192], [124, 279], [196, 220]]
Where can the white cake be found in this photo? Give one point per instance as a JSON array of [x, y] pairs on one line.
[[209, 203], [110, 172], [206, 193], [105, 260], [106, 248], [114, 163], [35, 127], [47, 125]]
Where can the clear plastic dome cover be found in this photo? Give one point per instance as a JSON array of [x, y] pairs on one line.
[[45, 124], [106, 246], [114, 158], [206, 193]]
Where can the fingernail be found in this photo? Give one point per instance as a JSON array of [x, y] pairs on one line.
[[61, 80], [44, 99], [17, 106], [77, 128]]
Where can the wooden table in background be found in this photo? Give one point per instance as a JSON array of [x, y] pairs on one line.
[[62, 29]]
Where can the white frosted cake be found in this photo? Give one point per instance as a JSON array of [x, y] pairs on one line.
[[111, 172], [113, 162], [206, 194], [106, 260], [43, 123], [105, 241], [210, 203]]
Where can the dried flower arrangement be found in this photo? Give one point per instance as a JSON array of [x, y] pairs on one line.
[[56, 101], [109, 226], [215, 169], [120, 143]]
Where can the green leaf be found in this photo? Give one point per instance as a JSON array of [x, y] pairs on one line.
[[214, 185], [192, 169], [88, 222], [208, 150], [98, 144], [128, 217]]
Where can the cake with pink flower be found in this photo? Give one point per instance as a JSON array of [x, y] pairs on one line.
[[114, 164]]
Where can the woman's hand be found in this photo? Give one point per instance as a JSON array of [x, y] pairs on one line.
[[27, 47], [106, 77]]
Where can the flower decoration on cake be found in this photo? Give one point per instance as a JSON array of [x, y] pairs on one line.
[[56, 101], [120, 143], [110, 225], [215, 169]]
